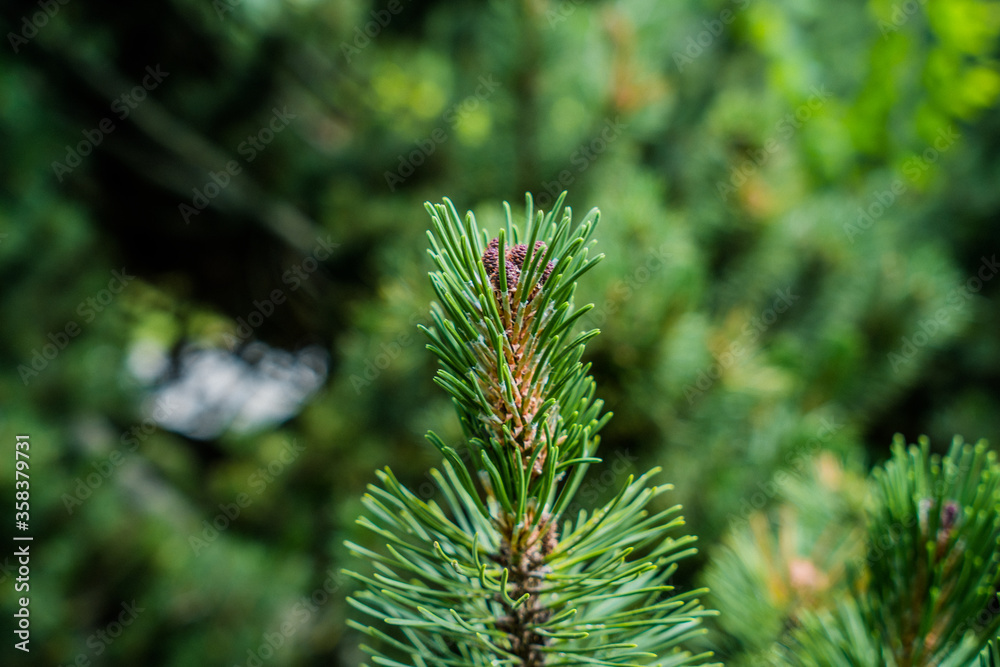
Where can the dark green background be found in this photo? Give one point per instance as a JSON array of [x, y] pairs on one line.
[[840, 155]]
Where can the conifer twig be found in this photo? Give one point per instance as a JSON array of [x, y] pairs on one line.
[[496, 575]]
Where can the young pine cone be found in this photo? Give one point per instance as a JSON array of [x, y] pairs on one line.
[[513, 263]]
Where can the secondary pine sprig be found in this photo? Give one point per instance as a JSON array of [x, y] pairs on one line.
[[491, 572], [913, 583]]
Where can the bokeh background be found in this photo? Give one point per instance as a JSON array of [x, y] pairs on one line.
[[212, 259]]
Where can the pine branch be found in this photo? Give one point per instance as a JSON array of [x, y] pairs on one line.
[[493, 573], [940, 520], [990, 655], [925, 592]]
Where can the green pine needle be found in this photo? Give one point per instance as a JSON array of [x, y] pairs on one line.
[[492, 573]]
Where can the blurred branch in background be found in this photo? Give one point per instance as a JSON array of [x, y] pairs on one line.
[[856, 148]]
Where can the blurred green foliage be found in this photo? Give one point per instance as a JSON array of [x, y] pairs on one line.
[[801, 231]]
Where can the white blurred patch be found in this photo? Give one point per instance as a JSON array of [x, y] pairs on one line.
[[147, 360], [213, 390]]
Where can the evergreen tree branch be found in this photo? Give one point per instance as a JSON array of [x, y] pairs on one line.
[[494, 574]]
